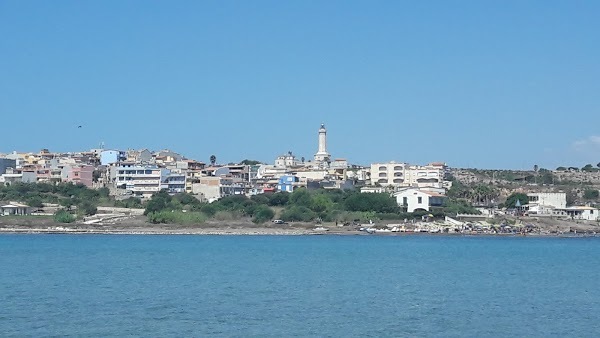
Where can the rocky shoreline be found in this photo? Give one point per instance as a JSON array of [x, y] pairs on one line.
[[137, 225]]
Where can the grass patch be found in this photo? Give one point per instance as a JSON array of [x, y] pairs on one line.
[[227, 215], [177, 217], [27, 217]]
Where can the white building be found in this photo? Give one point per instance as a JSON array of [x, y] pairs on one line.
[[286, 161], [413, 199], [140, 181], [322, 156], [404, 175], [545, 202], [579, 213], [213, 188]]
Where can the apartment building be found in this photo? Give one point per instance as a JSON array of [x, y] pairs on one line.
[[78, 174], [396, 174], [140, 180]]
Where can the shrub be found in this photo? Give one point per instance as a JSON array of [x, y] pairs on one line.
[[177, 217], [35, 202], [223, 215], [260, 199], [87, 208], [381, 202], [157, 203], [209, 209], [279, 198], [63, 216], [263, 214], [131, 202], [298, 213], [591, 194]]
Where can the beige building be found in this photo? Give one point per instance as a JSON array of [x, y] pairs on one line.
[[404, 175]]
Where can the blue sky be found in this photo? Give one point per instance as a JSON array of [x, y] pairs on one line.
[[504, 84]]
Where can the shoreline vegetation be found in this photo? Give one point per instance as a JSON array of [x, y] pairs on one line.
[[137, 225], [302, 205], [68, 208]]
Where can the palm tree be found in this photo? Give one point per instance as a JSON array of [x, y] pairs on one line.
[[213, 159]]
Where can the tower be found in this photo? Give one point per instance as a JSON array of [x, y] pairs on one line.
[[322, 155]]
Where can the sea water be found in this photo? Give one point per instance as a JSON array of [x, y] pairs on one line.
[[282, 286]]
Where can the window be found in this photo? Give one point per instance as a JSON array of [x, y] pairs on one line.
[[405, 201], [419, 200]]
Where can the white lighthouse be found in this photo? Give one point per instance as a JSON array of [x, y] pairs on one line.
[[322, 156]]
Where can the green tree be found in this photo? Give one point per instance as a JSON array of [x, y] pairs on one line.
[[512, 200], [454, 206], [279, 198], [213, 160], [260, 199], [131, 202], [321, 203], [87, 208], [298, 213], [561, 169], [376, 202], [67, 203], [483, 194], [546, 177], [158, 202], [186, 199], [209, 209], [63, 216], [588, 168], [262, 214], [591, 194], [35, 201], [300, 197], [250, 162], [104, 192]]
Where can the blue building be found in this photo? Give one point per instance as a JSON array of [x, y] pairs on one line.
[[287, 183], [175, 183], [111, 156]]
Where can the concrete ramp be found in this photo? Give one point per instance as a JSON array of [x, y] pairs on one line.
[[453, 221]]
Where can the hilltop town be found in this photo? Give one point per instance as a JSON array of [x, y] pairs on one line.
[[456, 198]]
